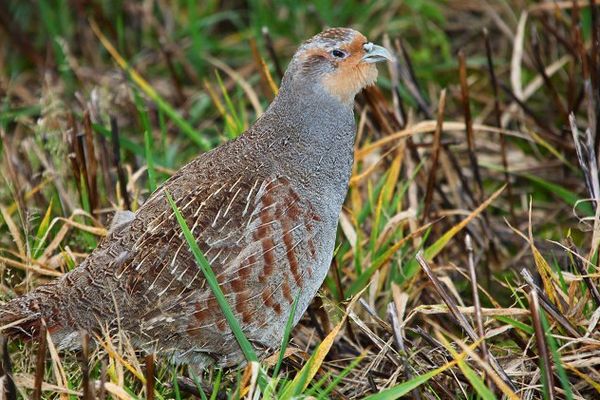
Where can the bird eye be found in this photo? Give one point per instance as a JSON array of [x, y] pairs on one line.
[[337, 53]]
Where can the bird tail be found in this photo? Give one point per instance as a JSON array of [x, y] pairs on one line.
[[22, 317]]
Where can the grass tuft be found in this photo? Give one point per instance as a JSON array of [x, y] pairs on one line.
[[486, 127]]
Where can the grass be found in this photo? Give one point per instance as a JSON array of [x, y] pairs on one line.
[[213, 284], [101, 101]]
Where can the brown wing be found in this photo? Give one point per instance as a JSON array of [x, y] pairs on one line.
[[258, 235]]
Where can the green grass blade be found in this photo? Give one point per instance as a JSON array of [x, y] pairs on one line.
[[476, 381], [295, 387], [286, 336], [433, 250], [42, 229], [341, 376], [405, 387], [149, 161], [176, 385], [515, 324], [284, 342], [85, 198], [185, 127], [234, 125], [148, 141], [211, 279], [216, 385], [553, 345], [316, 387], [439, 244], [199, 387], [566, 195]]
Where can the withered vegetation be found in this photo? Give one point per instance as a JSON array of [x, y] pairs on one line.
[[467, 257]]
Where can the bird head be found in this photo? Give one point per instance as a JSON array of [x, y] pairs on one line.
[[340, 61]]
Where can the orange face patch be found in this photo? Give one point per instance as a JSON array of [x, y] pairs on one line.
[[352, 74]]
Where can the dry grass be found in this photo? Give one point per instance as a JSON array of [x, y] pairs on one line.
[[468, 242]]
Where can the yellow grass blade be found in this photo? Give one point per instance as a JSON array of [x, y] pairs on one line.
[[310, 369], [486, 366], [117, 357], [14, 231], [57, 368], [439, 244]]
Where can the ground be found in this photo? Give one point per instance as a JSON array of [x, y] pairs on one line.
[[476, 162]]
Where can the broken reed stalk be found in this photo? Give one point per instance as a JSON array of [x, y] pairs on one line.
[[271, 50], [102, 382], [84, 360], [477, 303], [498, 121], [40, 363], [437, 284], [107, 178], [464, 90], [435, 152], [83, 169], [10, 390], [540, 340], [90, 162], [549, 307], [460, 317], [114, 130], [75, 153], [150, 377], [392, 313]]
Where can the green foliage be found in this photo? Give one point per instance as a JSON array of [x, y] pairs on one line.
[[211, 279], [166, 49]]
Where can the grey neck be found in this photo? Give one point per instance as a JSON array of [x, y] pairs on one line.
[[310, 135]]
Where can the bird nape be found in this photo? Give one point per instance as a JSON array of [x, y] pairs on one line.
[[263, 209]]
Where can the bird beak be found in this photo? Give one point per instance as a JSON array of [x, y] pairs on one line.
[[375, 53]]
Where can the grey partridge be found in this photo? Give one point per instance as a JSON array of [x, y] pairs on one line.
[[263, 208]]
